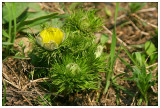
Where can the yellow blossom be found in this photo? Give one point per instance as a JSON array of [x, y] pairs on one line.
[[50, 38]]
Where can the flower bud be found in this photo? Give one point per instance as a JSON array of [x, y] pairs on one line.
[[73, 67], [99, 51]]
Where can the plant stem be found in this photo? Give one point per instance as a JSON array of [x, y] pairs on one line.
[[107, 81], [4, 97], [14, 20], [112, 53], [116, 13], [146, 99], [10, 25]]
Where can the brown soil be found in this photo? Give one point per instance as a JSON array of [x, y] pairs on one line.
[[21, 91]]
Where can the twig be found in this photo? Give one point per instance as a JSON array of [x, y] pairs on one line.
[[107, 93], [89, 100], [15, 87], [156, 69], [133, 100], [152, 87], [12, 84], [122, 16], [27, 92], [152, 25], [140, 11], [58, 8], [107, 30], [15, 75], [5, 76], [146, 10], [11, 91], [149, 56], [121, 71], [142, 32], [37, 80], [44, 6], [26, 99], [42, 97], [151, 65], [12, 71], [116, 37]]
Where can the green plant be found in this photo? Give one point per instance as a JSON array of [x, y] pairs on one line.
[[84, 22], [147, 57], [143, 81], [110, 77], [76, 74], [149, 52], [9, 38], [134, 7], [76, 63], [140, 76]]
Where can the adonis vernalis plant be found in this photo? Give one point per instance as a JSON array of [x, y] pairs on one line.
[[73, 57]]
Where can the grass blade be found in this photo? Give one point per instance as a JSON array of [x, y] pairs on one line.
[[128, 65], [112, 53], [19, 25], [14, 21], [129, 79], [130, 56], [4, 97], [113, 46], [9, 29], [116, 13], [124, 89], [18, 57], [118, 75], [107, 86], [117, 54], [10, 19], [7, 43], [39, 20], [138, 57], [4, 33]]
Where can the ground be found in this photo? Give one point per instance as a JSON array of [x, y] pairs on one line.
[[20, 91]]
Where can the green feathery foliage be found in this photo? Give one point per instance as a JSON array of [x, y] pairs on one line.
[[84, 22], [76, 63]]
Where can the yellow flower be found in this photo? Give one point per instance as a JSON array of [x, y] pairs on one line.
[[50, 38]]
